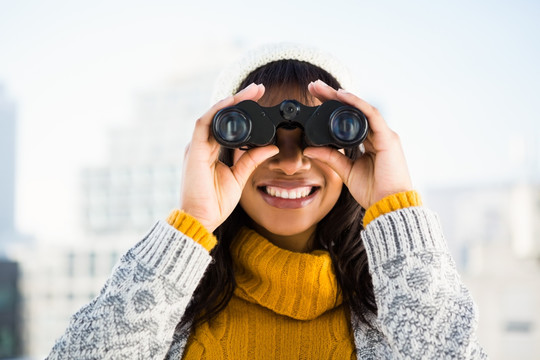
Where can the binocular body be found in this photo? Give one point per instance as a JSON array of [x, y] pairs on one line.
[[247, 124]]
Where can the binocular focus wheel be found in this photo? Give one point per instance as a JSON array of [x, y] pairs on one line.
[[289, 109]]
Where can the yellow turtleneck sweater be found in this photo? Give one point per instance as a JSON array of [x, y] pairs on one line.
[[285, 305]]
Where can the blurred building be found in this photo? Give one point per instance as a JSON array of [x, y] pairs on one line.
[[10, 320], [494, 234], [120, 201], [141, 180], [7, 166]]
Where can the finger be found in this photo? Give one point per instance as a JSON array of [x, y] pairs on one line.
[[249, 160], [375, 119], [202, 126], [322, 91], [201, 132], [337, 161], [186, 150], [248, 93], [368, 146], [252, 92]]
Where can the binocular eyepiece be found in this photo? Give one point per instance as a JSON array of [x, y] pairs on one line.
[[247, 124]]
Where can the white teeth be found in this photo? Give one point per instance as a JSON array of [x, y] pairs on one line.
[[296, 193]]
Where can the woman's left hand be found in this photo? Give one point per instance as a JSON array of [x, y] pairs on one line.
[[382, 170]]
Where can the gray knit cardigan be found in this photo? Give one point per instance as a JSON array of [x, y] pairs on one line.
[[424, 310]]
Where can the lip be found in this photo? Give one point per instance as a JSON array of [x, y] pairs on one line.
[[282, 203]]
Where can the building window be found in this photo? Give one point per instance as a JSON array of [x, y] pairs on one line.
[[71, 264], [516, 326], [92, 264]]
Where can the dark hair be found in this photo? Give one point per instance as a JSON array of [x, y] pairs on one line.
[[338, 232]]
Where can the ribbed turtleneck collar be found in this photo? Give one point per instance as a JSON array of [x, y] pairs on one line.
[[299, 285]]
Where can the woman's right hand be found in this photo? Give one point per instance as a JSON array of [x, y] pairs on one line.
[[210, 189]]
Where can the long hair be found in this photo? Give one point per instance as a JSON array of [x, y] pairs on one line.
[[338, 232]]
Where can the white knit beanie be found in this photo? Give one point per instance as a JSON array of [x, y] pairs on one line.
[[230, 79]]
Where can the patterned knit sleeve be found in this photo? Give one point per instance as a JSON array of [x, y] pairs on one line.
[[135, 315], [424, 310]]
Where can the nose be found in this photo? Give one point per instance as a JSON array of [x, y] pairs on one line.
[[290, 159]]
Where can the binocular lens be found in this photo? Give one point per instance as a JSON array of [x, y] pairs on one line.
[[346, 126], [232, 126]]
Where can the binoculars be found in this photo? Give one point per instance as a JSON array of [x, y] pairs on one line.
[[247, 124]]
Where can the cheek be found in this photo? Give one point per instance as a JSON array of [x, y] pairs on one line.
[[334, 185], [331, 177]]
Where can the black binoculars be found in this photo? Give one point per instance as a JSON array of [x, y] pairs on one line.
[[247, 124]]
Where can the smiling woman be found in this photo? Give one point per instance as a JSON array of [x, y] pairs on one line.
[[285, 251], [306, 188]]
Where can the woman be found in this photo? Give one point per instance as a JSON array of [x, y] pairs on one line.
[[273, 255]]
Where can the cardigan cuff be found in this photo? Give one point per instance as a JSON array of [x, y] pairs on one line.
[[391, 203], [404, 231], [191, 227], [165, 251]]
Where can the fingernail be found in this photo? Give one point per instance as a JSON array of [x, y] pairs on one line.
[[323, 83], [249, 87], [226, 99]]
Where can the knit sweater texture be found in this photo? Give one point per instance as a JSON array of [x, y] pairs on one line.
[[424, 310], [285, 306]]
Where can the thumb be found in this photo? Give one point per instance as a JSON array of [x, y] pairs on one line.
[[250, 160], [337, 161]]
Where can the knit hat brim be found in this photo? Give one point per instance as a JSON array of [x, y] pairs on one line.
[[230, 79]]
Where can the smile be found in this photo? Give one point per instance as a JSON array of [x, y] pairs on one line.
[[290, 198], [296, 193]]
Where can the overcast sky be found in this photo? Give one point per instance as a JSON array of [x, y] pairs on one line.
[[458, 80]]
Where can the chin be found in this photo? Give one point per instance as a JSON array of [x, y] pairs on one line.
[[286, 227]]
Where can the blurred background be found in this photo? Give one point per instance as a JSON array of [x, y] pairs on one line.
[[98, 100]]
